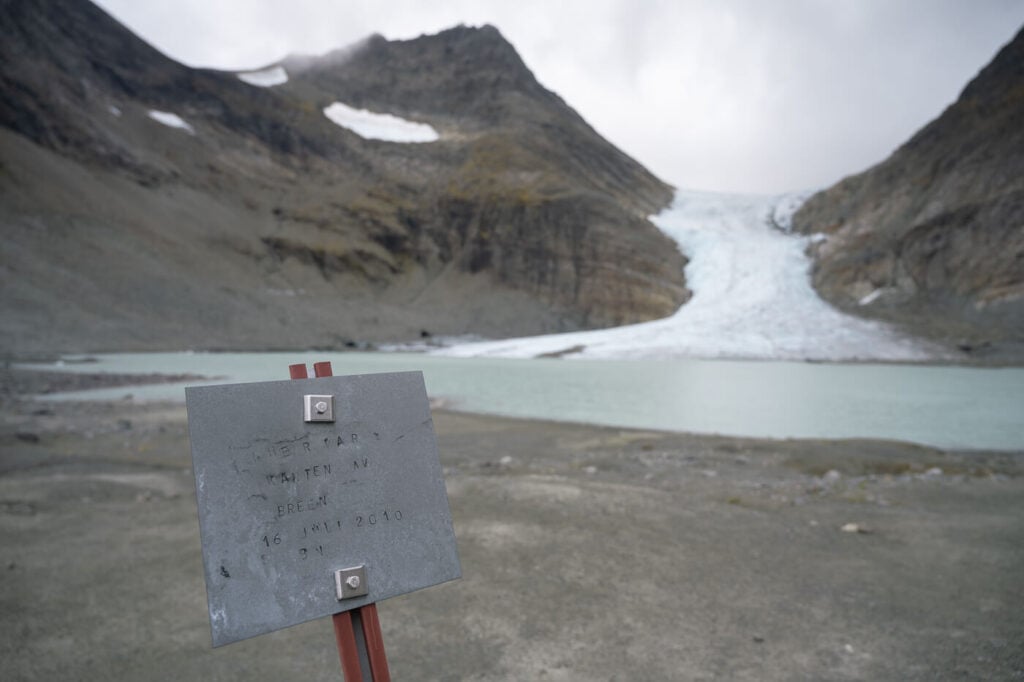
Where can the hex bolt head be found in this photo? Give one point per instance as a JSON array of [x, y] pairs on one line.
[[350, 583], [318, 408]]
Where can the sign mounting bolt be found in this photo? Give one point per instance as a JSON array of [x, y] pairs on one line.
[[318, 408], [351, 582]]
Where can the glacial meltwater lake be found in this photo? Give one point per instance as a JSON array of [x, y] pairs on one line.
[[949, 407]]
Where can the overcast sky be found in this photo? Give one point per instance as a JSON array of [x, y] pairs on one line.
[[734, 95]]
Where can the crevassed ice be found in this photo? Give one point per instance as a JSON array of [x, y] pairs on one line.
[[752, 299], [171, 120], [265, 78], [786, 207], [379, 126]]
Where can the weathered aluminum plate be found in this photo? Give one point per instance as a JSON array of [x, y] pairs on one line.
[[284, 504]]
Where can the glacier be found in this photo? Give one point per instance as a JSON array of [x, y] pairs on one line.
[[752, 298]]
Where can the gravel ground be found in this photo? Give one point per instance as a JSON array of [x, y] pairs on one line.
[[588, 553]]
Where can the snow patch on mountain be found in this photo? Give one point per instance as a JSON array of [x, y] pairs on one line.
[[374, 126], [265, 78], [752, 298], [171, 120]]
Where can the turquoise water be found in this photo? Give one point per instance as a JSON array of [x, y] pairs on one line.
[[953, 407]]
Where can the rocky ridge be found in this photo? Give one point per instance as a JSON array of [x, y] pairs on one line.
[[933, 237], [253, 221]]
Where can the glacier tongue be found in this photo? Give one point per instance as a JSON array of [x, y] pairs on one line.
[[752, 299]]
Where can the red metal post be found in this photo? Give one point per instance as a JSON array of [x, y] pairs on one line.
[[374, 644], [344, 633], [345, 636]]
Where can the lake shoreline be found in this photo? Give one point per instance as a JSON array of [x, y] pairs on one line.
[[996, 356]]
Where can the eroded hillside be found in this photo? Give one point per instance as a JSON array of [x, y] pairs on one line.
[[147, 205]]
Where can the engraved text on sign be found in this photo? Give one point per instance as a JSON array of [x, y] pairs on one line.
[[284, 503]]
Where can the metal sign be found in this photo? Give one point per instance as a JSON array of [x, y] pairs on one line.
[[316, 496]]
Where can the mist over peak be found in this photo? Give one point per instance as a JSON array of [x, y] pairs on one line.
[[299, 63]]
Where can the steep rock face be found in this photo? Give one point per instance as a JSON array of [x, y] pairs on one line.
[[933, 237], [519, 187], [260, 223]]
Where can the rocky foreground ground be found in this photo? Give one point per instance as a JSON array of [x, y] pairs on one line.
[[588, 554]]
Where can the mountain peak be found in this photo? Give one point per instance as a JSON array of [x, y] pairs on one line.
[[465, 72], [1006, 67]]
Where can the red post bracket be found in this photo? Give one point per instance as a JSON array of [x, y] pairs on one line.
[[344, 632]]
